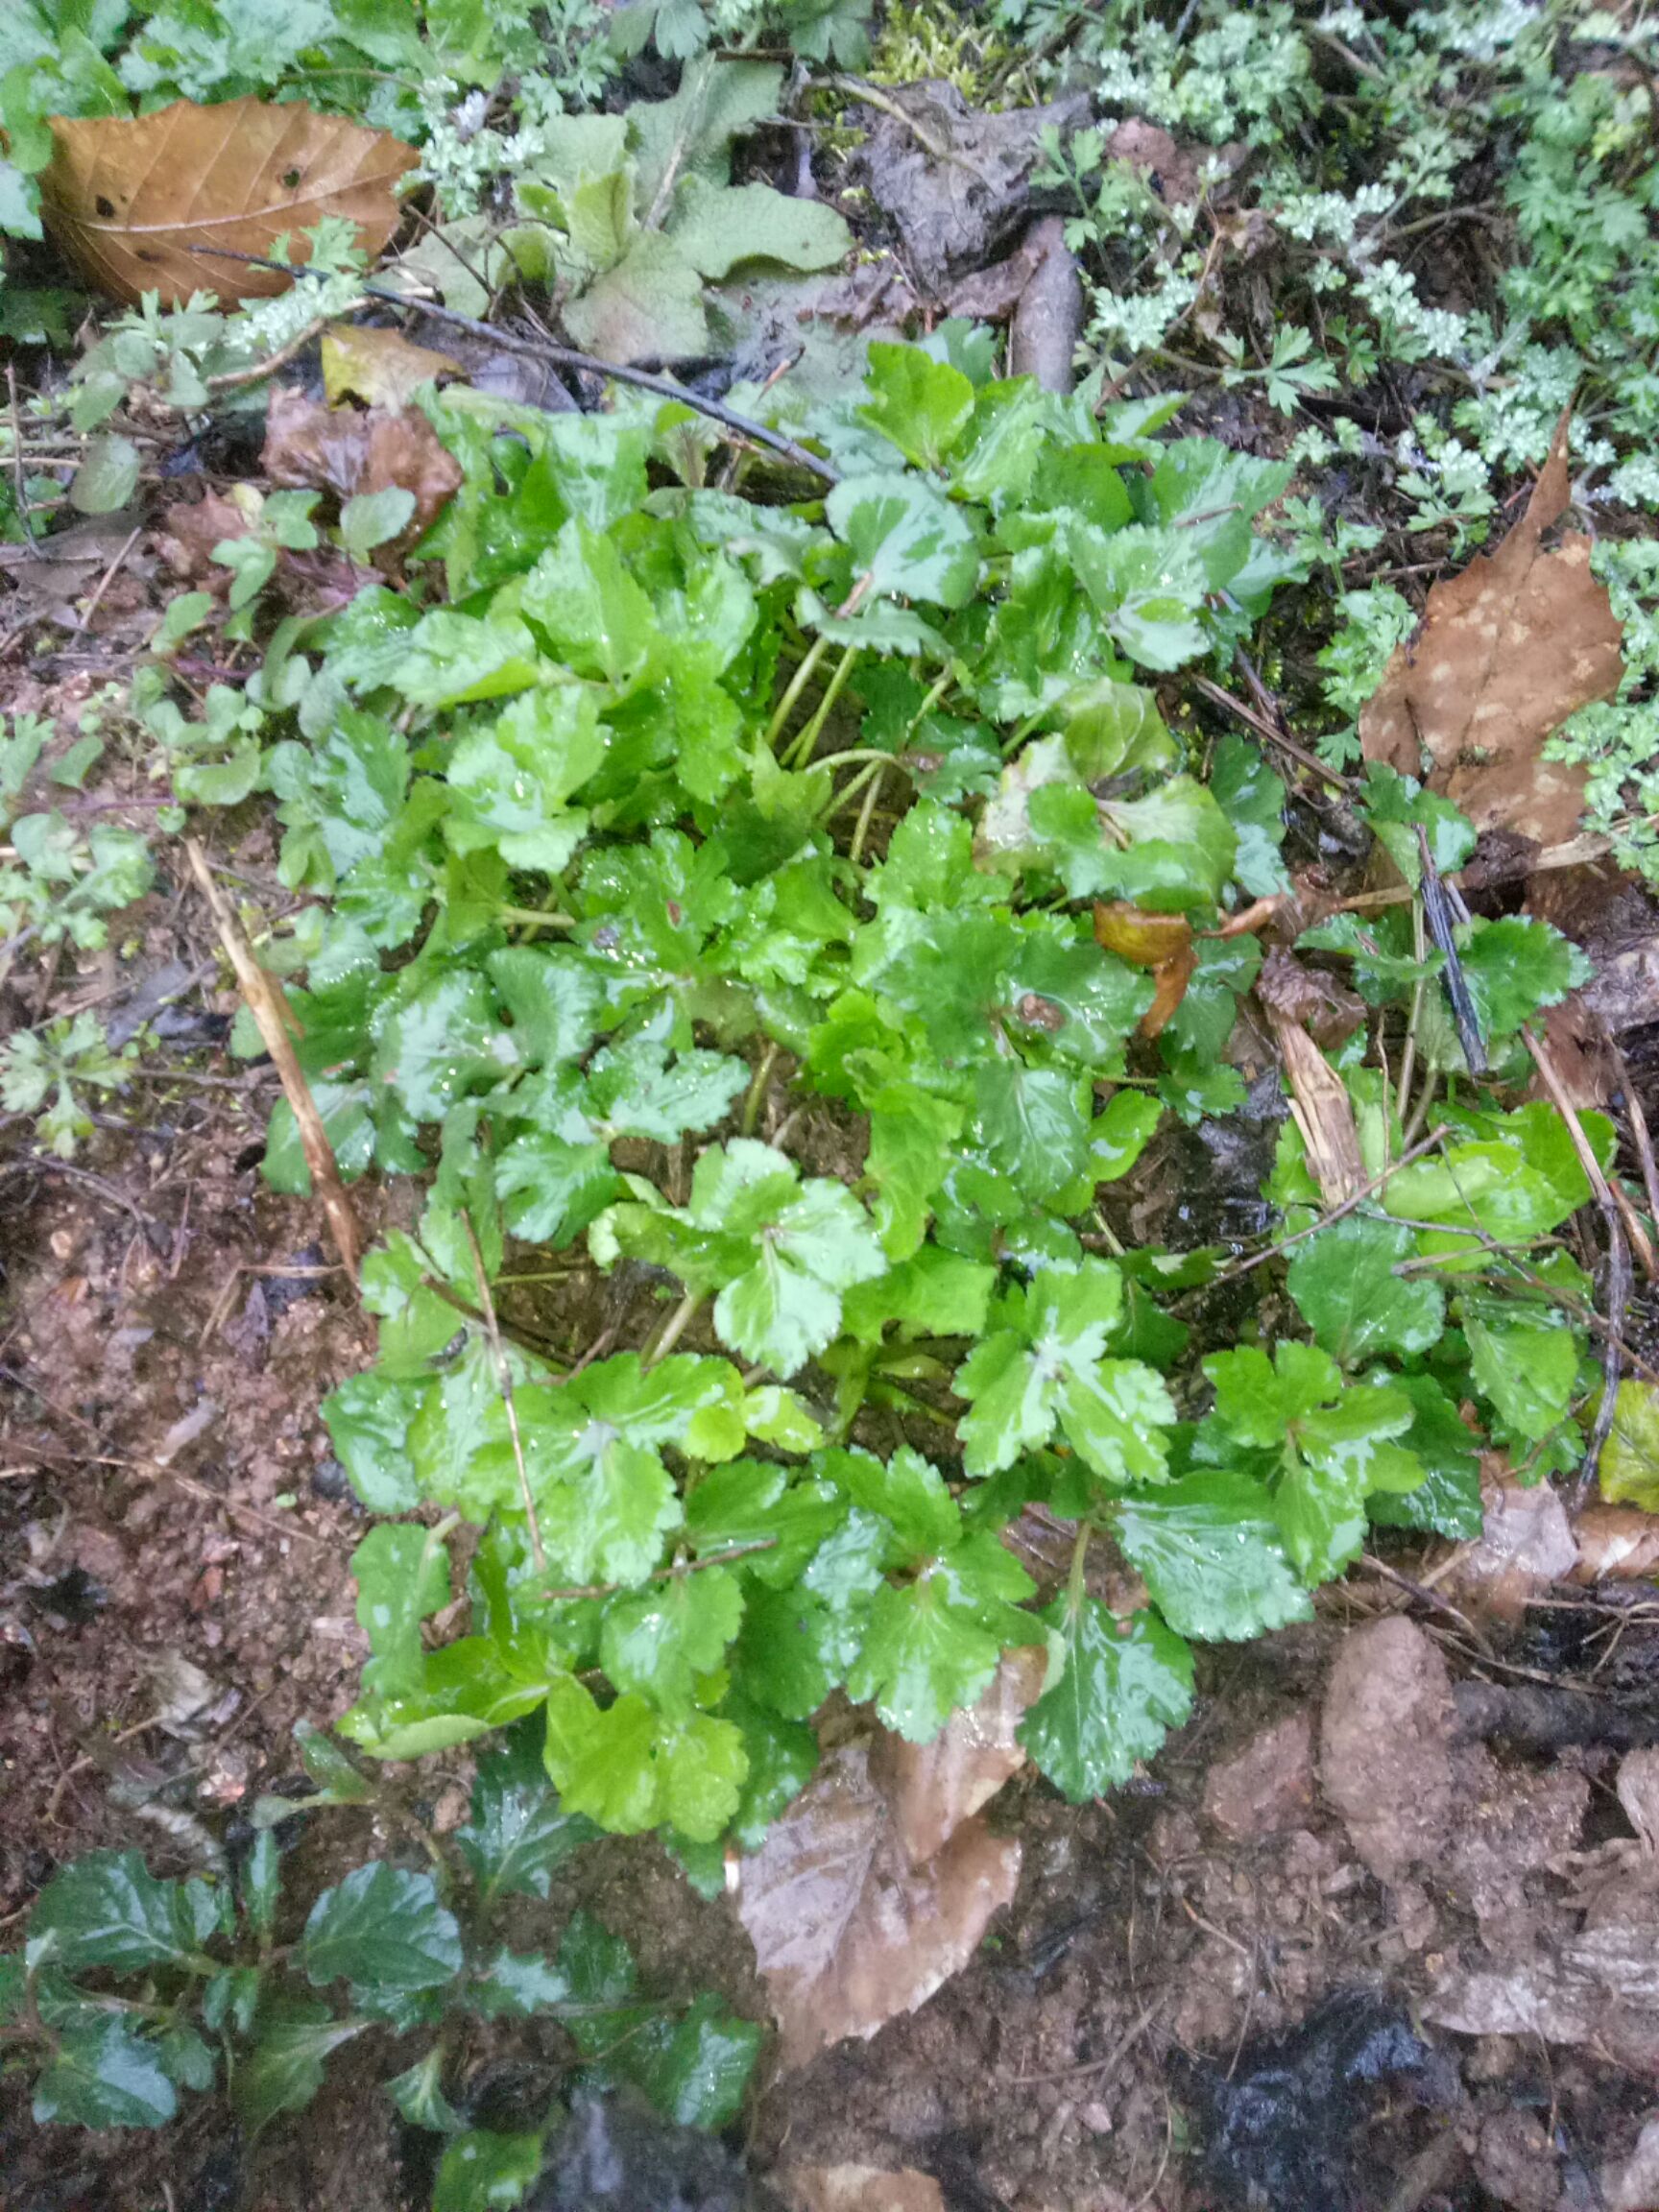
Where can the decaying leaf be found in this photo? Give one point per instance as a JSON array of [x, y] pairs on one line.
[[859, 2189], [1629, 1468], [1506, 652], [1526, 1543], [1159, 943], [935, 1787], [1323, 1111], [129, 199], [877, 1885], [381, 367], [1328, 1010], [312, 448], [1615, 1544]]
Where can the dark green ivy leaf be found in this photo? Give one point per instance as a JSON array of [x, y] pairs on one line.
[[383, 1930]]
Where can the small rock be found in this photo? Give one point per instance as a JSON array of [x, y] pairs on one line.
[[1632, 2184], [1268, 1785], [1385, 1745]]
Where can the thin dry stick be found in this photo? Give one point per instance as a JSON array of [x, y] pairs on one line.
[[1406, 1160], [271, 1016], [1639, 1135], [106, 580], [504, 1384], [675, 1573], [1614, 1204], [567, 357]]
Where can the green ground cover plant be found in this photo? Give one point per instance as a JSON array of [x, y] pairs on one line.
[[704, 870]]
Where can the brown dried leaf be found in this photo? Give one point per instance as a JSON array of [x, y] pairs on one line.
[[935, 1787], [1506, 652], [1526, 1543], [847, 1930], [381, 367], [192, 530], [1161, 943], [1615, 1544], [309, 447], [1323, 1111], [859, 2189], [127, 199], [1328, 1010]]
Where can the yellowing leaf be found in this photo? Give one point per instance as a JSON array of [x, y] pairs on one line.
[[1630, 1455]]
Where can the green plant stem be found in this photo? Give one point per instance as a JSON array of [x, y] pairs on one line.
[[752, 1104], [533, 918], [675, 1573], [793, 689], [801, 751], [672, 1329], [866, 815]]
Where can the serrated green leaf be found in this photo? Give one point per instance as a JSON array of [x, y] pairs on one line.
[[1347, 1285], [905, 538], [1514, 967], [1448, 1501], [402, 1577], [106, 1908], [383, 1930], [519, 1831], [629, 1768], [285, 2069], [513, 1986], [1527, 1372], [419, 2096], [104, 2075], [920, 405], [659, 1642], [1119, 1688], [368, 1417], [694, 2069], [484, 2172], [1209, 1550]]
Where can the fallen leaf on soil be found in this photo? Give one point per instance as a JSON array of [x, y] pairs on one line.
[[1159, 943], [381, 367], [192, 528], [954, 180], [847, 1929], [1150, 149], [1526, 1543], [1385, 1745], [127, 199], [1327, 1009], [1615, 1544], [1506, 652], [312, 448], [859, 2189], [935, 1787], [1323, 1111]]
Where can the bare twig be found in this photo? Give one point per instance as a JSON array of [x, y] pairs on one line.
[[106, 580], [566, 357], [270, 1013], [504, 1384], [1231, 1274], [1615, 1207], [675, 1573]]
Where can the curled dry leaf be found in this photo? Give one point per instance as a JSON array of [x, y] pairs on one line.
[[381, 367], [936, 1787], [1159, 943], [1506, 652], [129, 200], [877, 1885], [1615, 1544], [859, 2189], [312, 448], [1327, 1009], [1526, 1543]]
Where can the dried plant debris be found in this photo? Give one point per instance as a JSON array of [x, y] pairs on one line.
[[860, 2189], [877, 1883], [955, 183], [1506, 652], [129, 200]]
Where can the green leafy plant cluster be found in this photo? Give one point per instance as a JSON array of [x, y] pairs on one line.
[[129, 1990], [606, 833]]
